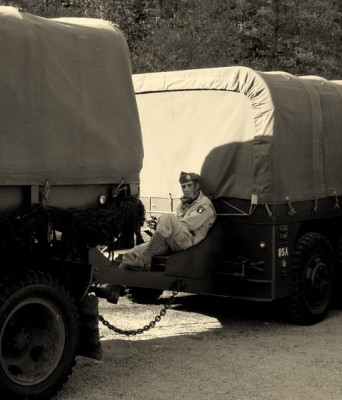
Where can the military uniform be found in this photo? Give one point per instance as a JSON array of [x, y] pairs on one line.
[[190, 225], [177, 232]]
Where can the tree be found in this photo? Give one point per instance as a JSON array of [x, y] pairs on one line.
[[298, 36]]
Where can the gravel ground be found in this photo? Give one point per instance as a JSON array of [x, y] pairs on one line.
[[210, 348]]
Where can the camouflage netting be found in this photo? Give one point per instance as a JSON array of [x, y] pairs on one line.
[[80, 228]]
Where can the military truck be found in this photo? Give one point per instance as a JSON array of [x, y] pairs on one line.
[[71, 153], [268, 146]]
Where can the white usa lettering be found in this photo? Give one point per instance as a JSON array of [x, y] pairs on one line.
[[283, 252]]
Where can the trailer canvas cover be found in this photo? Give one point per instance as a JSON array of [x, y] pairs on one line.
[[67, 106], [268, 134]]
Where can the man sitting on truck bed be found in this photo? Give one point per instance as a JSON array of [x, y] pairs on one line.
[[194, 216]]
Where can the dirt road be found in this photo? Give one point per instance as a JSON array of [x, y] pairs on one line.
[[206, 349]]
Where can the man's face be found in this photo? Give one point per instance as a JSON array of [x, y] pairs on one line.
[[190, 189]]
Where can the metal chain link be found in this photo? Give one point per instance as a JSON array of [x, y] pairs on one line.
[[152, 324]]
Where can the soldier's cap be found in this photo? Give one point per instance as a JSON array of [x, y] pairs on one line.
[[188, 176]]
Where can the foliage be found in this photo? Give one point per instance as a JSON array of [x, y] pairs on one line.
[[299, 36]]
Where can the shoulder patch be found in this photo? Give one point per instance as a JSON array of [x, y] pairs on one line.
[[200, 209]]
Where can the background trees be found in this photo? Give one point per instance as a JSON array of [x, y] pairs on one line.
[[298, 36]]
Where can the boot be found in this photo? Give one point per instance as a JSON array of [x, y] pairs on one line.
[[156, 246]]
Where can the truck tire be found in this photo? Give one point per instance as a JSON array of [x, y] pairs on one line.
[[143, 295], [90, 345], [38, 336], [312, 279], [337, 295]]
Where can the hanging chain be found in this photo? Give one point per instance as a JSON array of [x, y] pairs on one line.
[[152, 324]]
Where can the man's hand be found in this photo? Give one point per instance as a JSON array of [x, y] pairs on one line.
[[152, 223]]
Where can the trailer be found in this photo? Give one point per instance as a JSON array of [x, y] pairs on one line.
[[268, 146]]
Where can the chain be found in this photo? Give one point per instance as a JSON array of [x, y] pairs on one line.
[[150, 325]]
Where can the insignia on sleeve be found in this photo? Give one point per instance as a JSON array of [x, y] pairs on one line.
[[200, 209]]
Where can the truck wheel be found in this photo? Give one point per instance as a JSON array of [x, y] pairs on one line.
[[337, 294], [312, 279], [144, 295], [38, 336]]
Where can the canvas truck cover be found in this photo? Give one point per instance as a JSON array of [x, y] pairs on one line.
[[67, 106], [268, 134]]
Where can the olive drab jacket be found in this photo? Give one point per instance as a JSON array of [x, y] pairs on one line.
[[197, 217]]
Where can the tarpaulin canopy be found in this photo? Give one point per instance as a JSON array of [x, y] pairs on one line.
[[268, 134], [67, 106]]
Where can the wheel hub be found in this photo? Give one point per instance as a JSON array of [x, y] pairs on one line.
[[320, 276], [317, 282], [22, 339]]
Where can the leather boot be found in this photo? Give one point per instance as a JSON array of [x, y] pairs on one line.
[[156, 246]]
